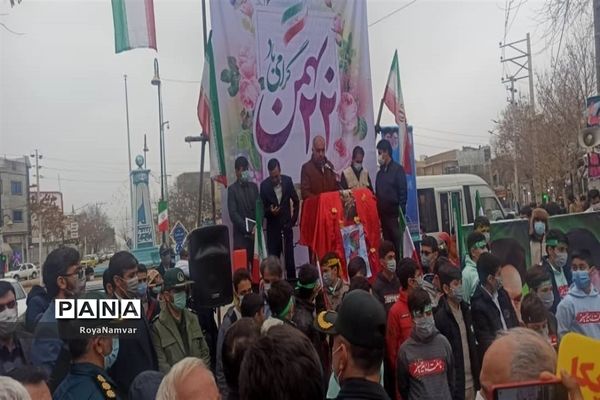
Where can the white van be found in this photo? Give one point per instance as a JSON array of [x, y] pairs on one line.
[[435, 200]]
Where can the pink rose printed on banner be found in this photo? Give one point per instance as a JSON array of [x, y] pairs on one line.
[[246, 62], [340, 148], [338, 28], [348, 111], [249, 91], [247, 8]]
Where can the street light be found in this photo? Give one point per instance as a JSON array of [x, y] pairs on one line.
[[163, 165]]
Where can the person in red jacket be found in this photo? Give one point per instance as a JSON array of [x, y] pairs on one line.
[[399, 323]]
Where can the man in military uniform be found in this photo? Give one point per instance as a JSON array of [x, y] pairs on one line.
[[92, 355], [176, 332]]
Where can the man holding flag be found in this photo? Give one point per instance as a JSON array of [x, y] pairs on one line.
[[391, 194]]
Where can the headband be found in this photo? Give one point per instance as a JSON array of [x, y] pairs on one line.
[[332, 262], [306, 285], [479, 245], [287, 308], [554, 242]]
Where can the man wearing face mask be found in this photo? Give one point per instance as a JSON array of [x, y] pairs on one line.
[[538, 227], [391, 193], [317, 174], [491, 307], [176, 332], [136, 354], [91, 357], [537, 317], [555, 263], [356, 176], [578, 311], [64, 278], [149, 304], [358, 345], [333, 285], [386, 288], [242, 286], [425, 347], [282, 206], [242, 196], [453, 320], [15, 343], [482, 225], [539, 282], [476, 246], [271, 272], [399, 321]]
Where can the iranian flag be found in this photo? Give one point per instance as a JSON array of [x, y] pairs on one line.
[[163, 216], [478, 206], [260, 246], [134, 24], [408, 247], [209, 116], [393, 94]]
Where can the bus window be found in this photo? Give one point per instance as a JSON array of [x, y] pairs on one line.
[[427, 210], [447, 211]]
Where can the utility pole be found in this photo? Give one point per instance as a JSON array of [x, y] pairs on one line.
[[204, 139], [145, 150], [38, 157], [596, 6], [128, 144], [521, 59]]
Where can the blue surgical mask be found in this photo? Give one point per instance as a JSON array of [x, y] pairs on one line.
[[581, 279], [391, 265], [157, 289], [142, 289], [458, 294], [110, 358], [424, 327], [327, 279], [539, 227], [246, 176], [561, 259], [547, 298], [180, 300]]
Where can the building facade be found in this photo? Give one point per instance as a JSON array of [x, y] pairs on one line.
[[14, 209]]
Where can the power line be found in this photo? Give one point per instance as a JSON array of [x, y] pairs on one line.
[[180, 80], [392, 13], [447, 132]]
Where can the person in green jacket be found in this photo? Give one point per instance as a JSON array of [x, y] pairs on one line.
[[477, 245], [176, 332]]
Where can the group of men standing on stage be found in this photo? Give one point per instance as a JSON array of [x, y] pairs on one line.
[[281, 204]]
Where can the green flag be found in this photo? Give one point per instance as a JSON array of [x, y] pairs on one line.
[[458, 224]]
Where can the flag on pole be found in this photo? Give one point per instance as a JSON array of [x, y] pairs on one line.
[[393, 93], [209, 116], [260, 247], [478, 206], [163, 216], [408, 247], [457, 226], [134, 24]]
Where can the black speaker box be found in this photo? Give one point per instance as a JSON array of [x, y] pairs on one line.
[[210, 266]]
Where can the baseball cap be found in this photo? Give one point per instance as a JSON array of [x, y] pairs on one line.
[[251, 304], [360, 319], [175, 278]]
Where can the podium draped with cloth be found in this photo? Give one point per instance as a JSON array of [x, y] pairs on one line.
[[345, 222]]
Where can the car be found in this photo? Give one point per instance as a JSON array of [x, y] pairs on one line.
[[20, 296], [89, 261], [24, 271], [94, 286]]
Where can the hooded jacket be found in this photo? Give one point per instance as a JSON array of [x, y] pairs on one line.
[[579, 312]]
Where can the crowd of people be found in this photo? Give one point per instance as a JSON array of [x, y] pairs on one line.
[[443, 326]]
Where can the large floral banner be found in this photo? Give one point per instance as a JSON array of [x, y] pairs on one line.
[[290, 70]]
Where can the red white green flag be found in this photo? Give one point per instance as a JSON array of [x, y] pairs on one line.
[[209, 116], [393, 93], [408, 247], [163, 216], [134, 24], [260, 246]]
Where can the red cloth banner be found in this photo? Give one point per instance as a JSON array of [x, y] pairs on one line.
[[323, 217]]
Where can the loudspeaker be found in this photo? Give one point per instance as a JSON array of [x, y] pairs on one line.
[[210, 266], [589, 137]]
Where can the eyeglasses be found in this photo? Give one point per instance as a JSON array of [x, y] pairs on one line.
[[80, 274], [9, 305]]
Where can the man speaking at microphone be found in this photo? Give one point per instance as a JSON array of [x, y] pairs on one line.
[[317, 175]]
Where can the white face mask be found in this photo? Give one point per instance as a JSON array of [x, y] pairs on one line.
[[9, 315]]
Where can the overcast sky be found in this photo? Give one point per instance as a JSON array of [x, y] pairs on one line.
[[61, 84]]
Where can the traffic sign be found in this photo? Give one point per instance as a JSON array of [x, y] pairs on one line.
[[178, 234]]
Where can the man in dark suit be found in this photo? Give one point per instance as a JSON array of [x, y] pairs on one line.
[[281, 205], [241, 203], [391, 193]]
